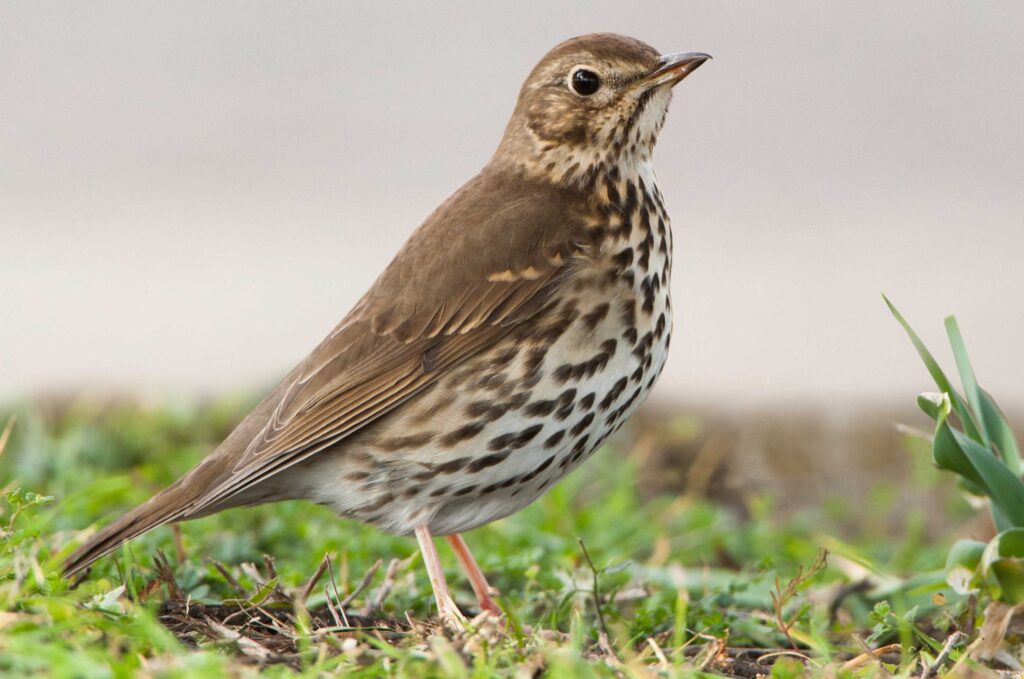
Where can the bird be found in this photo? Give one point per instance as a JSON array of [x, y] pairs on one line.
[[520, 324]]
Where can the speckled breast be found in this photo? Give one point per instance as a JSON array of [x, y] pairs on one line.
[[491, 436]]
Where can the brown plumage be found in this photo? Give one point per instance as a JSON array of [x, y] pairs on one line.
[[544, 274]]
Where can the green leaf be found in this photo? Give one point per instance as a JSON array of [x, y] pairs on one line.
[[967, 378], [969, 487], [1003, 487], [263, 592], [948, 454], [939, 377], [934, 405], [1003, 561], [962, 565], [1000, 432], [615, 568]]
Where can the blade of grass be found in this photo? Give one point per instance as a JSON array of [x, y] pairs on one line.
[[1004, 488], [967, 378], [941, 381], [1002, 435]]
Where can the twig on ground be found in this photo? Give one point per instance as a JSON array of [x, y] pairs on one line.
[[715, 648], [603, 638], [782, 595], [377, 600], [268, 562], [165, 574], [658, 653], [954, 640], [870, 655], [341, 619], [363, 584], [315, 578]]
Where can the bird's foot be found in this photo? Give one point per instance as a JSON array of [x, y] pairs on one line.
[[489, 606], [450, 615]]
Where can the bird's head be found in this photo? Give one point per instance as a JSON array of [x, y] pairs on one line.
[[593, 103]]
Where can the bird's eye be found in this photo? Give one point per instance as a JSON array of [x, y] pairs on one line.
[[585, 82]]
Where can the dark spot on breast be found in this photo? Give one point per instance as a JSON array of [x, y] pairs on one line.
[[644, 255], [566, 403], [580, 448], [405, 442], [598, 314], [554, 439], [627, 227], [440, 491], [505, 357], [659, 327], [465, 490], [479, 408], [628, 312], [613, 193], [384, 500], [582, 424], [535, 359], [631, 198], [463, 433], [643, 347], [548, 333], [587, 401], [588, 368], [452, 465], [621, 410], [630, 335], [518, 400], [487, 461], [540, 408], [515, 440], [613, 394], [492, 380], [622, 260], [645, 220]]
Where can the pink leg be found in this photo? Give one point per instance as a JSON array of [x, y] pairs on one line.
[[476, 576], [446, 608]]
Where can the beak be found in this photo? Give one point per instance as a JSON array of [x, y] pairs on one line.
[[672, 68]]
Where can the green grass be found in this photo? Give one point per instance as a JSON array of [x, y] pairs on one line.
[[680, 580]]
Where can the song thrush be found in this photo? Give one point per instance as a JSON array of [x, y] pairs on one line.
[[522, 323]]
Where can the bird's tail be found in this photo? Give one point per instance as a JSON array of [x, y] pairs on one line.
[[170, 505]]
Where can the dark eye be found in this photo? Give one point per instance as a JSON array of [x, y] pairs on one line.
[[585, 82]]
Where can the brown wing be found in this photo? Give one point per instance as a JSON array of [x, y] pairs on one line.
[[487, 259]]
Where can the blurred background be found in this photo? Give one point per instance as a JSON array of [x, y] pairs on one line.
[[193, 194]]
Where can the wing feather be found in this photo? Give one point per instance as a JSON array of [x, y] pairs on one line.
[[486, 260]]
